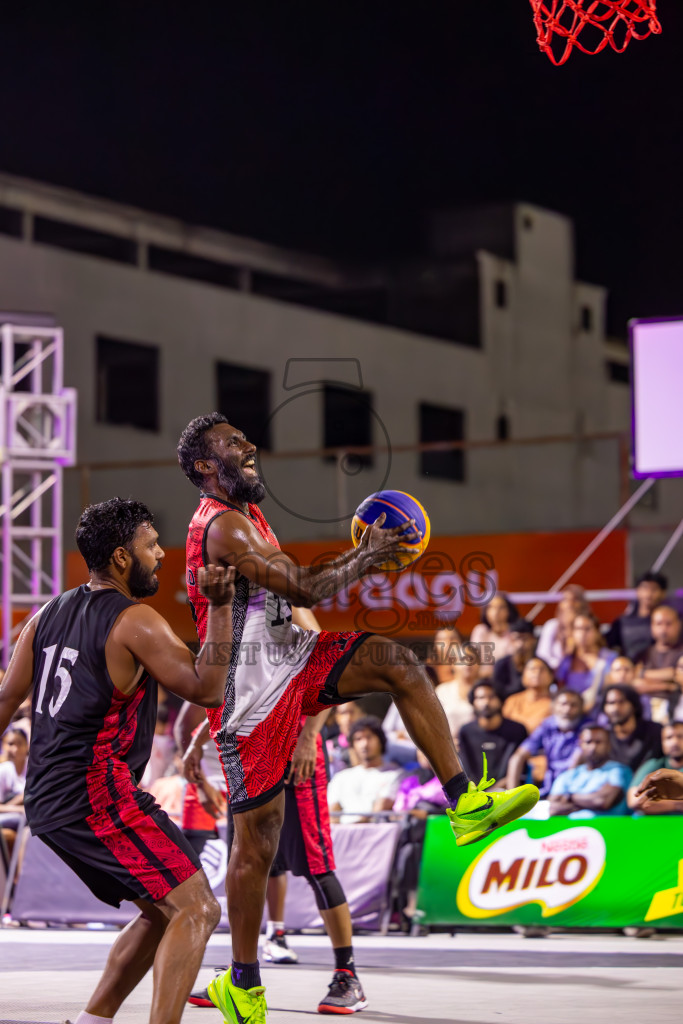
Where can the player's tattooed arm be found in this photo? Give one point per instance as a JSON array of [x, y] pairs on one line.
[[233, 540]]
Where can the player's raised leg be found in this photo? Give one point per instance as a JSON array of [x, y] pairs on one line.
[[380, 665]]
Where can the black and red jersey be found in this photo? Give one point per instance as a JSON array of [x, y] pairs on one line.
[[89, 742]]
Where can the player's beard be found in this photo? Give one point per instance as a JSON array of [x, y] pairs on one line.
[[242, 489], [142, 582]]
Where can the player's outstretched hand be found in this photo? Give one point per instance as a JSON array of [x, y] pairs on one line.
[[217, 584], [384, 545], [664, 784]]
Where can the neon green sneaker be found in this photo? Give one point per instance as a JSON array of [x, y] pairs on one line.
[[238, 1005], [477, 813]]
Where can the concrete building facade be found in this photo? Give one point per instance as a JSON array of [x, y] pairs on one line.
[[532, 362]]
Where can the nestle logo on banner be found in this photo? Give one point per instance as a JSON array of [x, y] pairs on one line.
[[517, 870]]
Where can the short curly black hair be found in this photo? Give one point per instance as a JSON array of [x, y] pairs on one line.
[[107, 526], [193, 445]]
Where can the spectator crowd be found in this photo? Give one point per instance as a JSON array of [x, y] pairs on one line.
[[583, 710]]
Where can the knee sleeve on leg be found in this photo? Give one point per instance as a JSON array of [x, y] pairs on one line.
[[327, 890]]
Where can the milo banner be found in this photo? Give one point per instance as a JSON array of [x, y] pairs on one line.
[[598, 872]]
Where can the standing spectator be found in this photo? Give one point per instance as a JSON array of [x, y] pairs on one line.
[[534, 703], [672, 748], [507, 671], [634, 740], [373, 783], [12, 784], [595, 788], [494, 630], [555, 641], [656, 664], [586, 668], [489, 734], [630, 633], [557, 738]]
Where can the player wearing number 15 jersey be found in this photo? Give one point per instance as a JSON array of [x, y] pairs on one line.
[[91, 658]]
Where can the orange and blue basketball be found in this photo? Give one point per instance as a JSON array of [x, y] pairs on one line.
[[399, 508]]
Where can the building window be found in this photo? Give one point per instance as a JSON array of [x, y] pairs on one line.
[[501, 294], [438, 423], [586, 318], [243, 395], [194, 268], [127, 386], [503, 427], [76, 238], [620, 373], [347, 422], [10, 221]]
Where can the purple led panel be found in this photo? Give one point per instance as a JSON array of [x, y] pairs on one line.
[[657, 396]]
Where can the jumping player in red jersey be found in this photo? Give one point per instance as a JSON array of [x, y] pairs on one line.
[[275, 672], [92, 659]]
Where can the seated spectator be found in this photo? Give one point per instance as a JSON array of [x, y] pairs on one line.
[[12, 783], [447, 652], [655, 664], [630, 633], [555, 641], [676, 713], [454, 697], [400, 747], [557, 738], [489, 734], [586, 668], [494, 631], [622, 670], [421, 793], [595, 788], [373, 783], [339, 749], [21, 719], [507, 671], [534, 703], [672, 758], [634, 739]]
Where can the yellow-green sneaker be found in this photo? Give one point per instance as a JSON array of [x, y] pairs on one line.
[[477, 813], [238, 1005]]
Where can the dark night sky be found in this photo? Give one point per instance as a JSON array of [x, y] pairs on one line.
[[332, 126]]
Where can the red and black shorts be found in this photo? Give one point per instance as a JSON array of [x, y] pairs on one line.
[[260, 759], [129, 850], [305, 840]]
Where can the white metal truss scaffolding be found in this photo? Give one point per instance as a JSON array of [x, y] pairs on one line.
[[37, 439]]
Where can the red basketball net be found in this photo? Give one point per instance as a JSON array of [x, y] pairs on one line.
[[591, 24]]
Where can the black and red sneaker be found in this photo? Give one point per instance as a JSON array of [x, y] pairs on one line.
[[345, 994], [200, 997]]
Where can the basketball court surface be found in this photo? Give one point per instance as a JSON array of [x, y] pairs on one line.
[[46, 975]]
